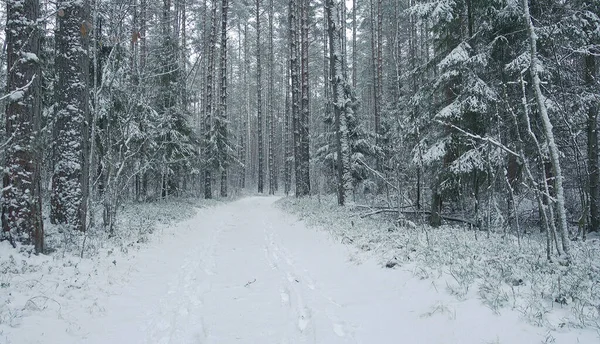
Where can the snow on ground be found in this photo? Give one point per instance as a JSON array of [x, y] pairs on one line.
[[509, 275], [248, 272]]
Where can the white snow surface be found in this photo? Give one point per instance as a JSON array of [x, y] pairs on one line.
[[247, 272]]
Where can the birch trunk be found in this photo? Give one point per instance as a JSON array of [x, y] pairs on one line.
[[548, 130]]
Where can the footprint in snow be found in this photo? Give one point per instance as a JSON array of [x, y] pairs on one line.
[[339, 330], [285, 297], [303, 320]]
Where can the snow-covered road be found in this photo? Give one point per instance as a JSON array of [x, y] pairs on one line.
[[246, 272]]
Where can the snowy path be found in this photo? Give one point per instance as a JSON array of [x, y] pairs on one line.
[[246, 272]]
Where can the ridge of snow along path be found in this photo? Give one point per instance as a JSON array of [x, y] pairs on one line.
[[247, 272]]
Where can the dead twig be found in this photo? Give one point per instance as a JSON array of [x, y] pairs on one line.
[[249, 282]]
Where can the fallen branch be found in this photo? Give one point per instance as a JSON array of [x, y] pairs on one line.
[[249, 282], [445, 217], [395, 210], [376, 207], [378, 211]]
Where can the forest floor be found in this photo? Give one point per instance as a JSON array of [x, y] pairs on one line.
[[245, 272]]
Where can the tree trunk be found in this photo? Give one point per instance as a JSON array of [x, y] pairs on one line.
[[208, 115], [261, 158], [271, 67], [534, 69], [338, 82], [70, 179], [22, 204], [379, 59], [223, 106], [287, 157], [244, 136], [295, 79], [375, 72], [303, 165], [435, 218], [592, 148], [354, 61]]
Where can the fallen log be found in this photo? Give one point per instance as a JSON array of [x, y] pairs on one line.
[[380, 207], [417, 212], [378, 211]]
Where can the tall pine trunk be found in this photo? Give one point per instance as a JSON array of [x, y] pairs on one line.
[[338, 83], [592, 148], [303, 165], [261, 153], [70, 178], [287, 142], [244, 136], [22, 206], [295, 84], [223, 106], [271, 114], [208, 115], [375, 72], [354, 60]]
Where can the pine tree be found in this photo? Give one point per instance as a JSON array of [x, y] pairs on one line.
[[295, 85], [259, 115], [223, 144], [271, 113], [210, 150], [339, 100], [287, 134], [70, 178], [303, 121], [22, 205]]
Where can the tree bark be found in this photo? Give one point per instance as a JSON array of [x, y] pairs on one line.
[[287, 157], [208, 114], [534, 69], [354, 61], [271, 67], [592, 148], [375, 71], [70, 179], [261, 158], [244, 136], [295, 84], [22, 205], [223, 106], [338, 82], [303, 170]]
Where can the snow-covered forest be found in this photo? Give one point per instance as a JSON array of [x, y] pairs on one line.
[[458, 138]]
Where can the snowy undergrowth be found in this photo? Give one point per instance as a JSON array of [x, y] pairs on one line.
[[471, 263], [79, 266]]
